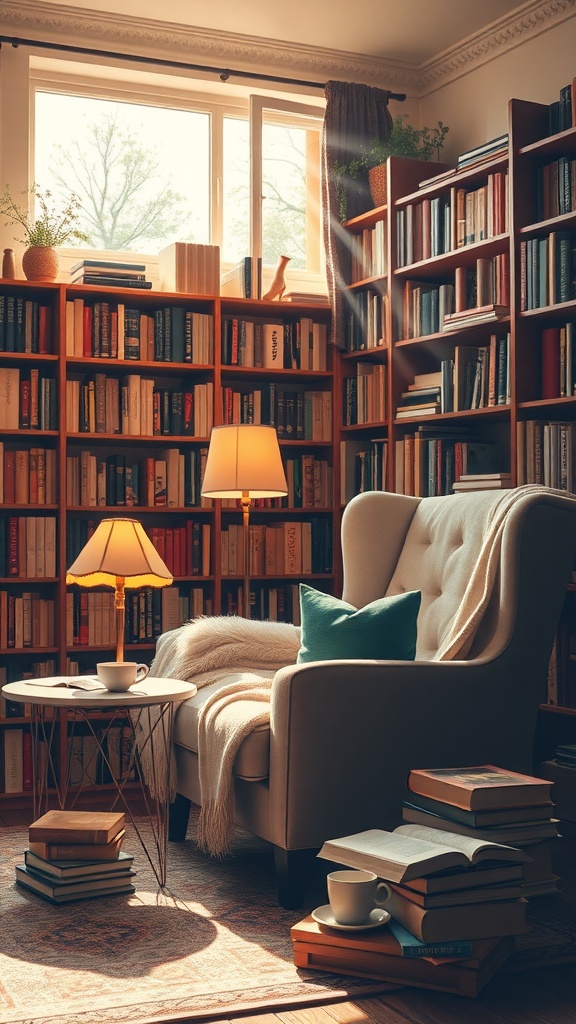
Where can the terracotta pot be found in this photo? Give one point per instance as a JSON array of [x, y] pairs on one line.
[[377, 181], [41, 263]]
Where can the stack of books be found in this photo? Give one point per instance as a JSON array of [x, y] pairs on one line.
[[190, 267], [485, 802], [423, 397], [443, 888], [490, 313], [76, 855], [108, 273], [482, 482]]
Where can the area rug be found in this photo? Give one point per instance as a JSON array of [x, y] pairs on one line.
[[218, 945]]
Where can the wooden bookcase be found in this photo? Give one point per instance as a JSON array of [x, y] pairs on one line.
[[517, 417], [105, 457]]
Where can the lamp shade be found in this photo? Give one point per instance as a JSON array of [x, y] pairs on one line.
[[244, 459], [119, 548]]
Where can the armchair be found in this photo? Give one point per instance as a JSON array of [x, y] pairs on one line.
[[343, 735]]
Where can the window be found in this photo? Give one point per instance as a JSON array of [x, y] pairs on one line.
[[152, 168]]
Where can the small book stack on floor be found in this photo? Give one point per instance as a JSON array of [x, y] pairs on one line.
[[487, 802], [76, 855]]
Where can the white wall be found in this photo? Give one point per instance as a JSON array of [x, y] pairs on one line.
[[475, 106]]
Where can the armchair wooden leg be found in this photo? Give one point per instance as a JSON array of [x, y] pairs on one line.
[[291, 871], [178, 820]]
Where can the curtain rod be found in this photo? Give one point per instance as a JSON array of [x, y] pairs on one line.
[[223, 73]]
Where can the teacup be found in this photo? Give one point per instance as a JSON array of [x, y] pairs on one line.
[[355, 894], [120, 675]]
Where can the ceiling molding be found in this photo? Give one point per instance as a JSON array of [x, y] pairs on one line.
[[503, 35], [97, 30]]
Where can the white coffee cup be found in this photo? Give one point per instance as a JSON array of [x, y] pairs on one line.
[[355, 894], [120, 675]]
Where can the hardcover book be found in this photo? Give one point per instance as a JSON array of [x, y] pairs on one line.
[[77, 827], [479, 787]]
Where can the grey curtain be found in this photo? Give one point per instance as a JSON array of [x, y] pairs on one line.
[[354, 115]]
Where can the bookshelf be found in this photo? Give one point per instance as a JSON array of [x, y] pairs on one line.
[[108, 399], [473, 394]]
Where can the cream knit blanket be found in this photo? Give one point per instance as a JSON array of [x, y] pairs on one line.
[[248, 653]]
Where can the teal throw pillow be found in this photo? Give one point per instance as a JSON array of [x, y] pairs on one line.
[[334, 630]]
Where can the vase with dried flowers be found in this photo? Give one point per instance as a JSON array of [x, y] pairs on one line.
[[53, 225]]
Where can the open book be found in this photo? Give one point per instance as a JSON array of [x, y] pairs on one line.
[[72, 682], [411, 851]]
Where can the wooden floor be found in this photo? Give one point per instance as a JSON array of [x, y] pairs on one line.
[[526, 997]]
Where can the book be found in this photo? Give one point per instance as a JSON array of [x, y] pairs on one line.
[[108, 265], [62, 892], [460, 897], [485, 818], [77, 826], [488, 919], [480, 786], [519, 833], [410, 946], [114, 282], [411, 851], [378, 954], [468, 878], [66, 869]]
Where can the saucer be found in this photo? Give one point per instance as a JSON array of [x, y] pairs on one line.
[[324, 915]]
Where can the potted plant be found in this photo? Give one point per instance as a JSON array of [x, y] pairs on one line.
[[54, 225], [403, 140]]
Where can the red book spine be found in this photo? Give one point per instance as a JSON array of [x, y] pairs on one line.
[[551, 362], [83, 637], [44, 330], [188, 562], [13, 561], [169, 549], [9, 476], [177, 554]]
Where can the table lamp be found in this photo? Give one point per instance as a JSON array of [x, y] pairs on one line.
[[244, 462], [119, 554]]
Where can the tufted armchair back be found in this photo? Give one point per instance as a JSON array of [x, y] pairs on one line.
[[394, 543]]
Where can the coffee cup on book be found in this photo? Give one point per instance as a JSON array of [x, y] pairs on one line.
[[119, 676], [353, 895]]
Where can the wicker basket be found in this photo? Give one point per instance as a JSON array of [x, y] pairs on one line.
[[377, 180]]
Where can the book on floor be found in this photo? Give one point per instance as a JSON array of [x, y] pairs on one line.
[[80, 868], [77, 826], [488, 919], [79, 851], [515, 833], [377, 954], [482, 818], [413, 850], [63, 890], [479, 786]]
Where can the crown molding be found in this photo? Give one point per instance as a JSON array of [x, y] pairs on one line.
[[509, 32], [75, 26]]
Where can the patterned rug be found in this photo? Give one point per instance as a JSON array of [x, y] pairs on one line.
[[220, 945]]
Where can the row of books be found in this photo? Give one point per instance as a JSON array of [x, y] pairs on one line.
[[363, 467], [26, 620], [289, 548], [368, 254], [135, 405], [110, 273], [297, 415], [28, 547], [458, 217], [364, 395], [25, 325], [91, 619], [309, 481], [106, 329], [244, 279], [275, 604], [17, 673], [96, 760], [28, 400], [275, 345], [16, 761], [365, 319], [546, 453], [479, 294], [172, 480], [547, 270], [476, 378], [28, 476], [558, 361], [562, 112], [556, 188], [431, 460], [190, 267], [76, 855]]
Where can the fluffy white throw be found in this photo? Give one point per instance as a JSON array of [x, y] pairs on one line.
[[247, 654]]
